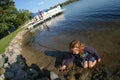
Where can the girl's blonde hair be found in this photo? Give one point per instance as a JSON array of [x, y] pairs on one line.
[[79, 44]]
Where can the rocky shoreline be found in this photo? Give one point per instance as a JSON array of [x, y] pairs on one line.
[[13, 65]]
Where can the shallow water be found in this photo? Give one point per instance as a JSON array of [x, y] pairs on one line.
[[95, 22]]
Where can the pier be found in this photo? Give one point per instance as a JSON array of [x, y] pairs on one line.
[[43, 16]]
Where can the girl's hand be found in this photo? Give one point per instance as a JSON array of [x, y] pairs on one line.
[[63, 68], [99, 60]]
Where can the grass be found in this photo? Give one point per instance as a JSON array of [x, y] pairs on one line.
[[4, 42]]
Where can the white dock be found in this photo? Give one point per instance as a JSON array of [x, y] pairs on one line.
[[45, 16]]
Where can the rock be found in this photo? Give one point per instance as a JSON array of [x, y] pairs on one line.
[[44, 78], [7, 54], [9, 75], [53, 76], [6, 65], [10, 48], [21, 75], [2, 77], [12, 59], [33, 73], [16, 66], [20, 59], [2, 71], [16, 51], [6, 59], [2, 60]]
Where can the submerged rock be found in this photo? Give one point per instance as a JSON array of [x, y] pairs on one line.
[[99, 73], [116, 74]]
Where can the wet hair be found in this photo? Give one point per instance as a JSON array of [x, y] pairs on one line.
[[80, 45]]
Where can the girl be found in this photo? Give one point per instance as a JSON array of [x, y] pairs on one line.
[[87, 56]]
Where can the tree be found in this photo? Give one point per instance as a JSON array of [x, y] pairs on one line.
[[10, 16], [7, 10], [22, 16]]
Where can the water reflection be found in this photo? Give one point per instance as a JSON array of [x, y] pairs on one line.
[[44, 27], [56, 19], [44, 30]]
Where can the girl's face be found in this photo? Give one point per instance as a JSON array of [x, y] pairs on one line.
[[76, 49]]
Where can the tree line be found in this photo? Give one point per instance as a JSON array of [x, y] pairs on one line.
[[64, 3], [10, 17]]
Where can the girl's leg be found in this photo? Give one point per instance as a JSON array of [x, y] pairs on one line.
[[91, 64], [85, 64]]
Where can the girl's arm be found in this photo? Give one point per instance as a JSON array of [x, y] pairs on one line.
[[67, 62]]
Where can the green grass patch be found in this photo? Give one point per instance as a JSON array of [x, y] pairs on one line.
[[4, 42]]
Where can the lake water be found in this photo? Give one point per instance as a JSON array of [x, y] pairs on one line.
[[95, 22]]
